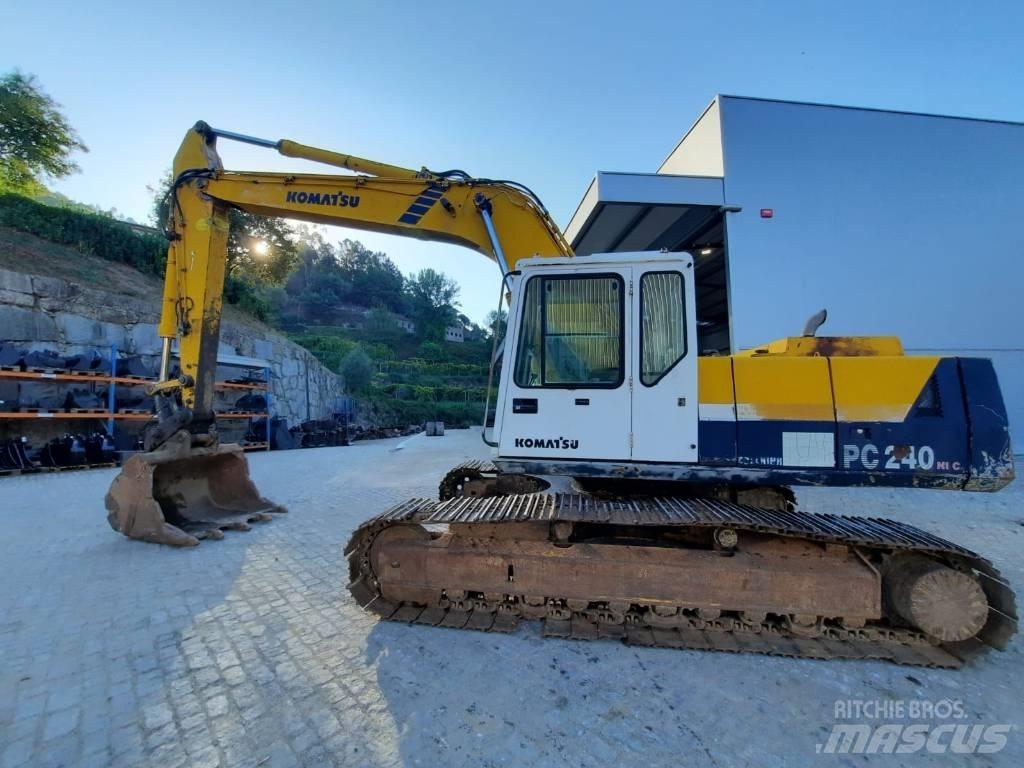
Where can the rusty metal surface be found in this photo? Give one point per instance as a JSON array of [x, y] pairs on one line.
[[478, 478], [469, 471], [640, 622], [179, 494], [946, 603], [795, 578]]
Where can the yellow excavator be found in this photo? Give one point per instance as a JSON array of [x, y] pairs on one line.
[[638, 490]]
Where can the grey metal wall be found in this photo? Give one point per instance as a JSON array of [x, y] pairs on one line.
[[898, 224]]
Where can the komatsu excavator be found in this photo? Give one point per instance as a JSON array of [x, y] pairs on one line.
[[637, 490]]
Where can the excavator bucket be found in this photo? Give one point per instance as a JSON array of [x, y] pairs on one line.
[[178, 494]]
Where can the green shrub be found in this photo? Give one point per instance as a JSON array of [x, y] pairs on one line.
[[432, 351], [357, 370], [329, 350], [424, 394], [380, 351], [87, 233], [248, 297]]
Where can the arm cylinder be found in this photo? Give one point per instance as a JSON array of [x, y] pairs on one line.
[[351, 162]]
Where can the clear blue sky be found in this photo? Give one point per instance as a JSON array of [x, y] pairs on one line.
[[543, 92]]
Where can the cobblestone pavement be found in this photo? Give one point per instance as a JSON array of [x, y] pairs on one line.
[[250, 652]]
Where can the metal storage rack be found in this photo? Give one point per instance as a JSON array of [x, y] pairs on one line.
[[113, 380]]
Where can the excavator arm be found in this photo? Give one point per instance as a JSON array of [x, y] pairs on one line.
[[186, 486], [503, 220]]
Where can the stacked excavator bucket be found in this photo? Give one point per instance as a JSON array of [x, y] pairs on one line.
[[178, 494]]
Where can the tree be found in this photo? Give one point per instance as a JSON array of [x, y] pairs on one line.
[[261, 249], [357, 370], [433, 298], [374, 278], [36, 139], [495, 322], [277, 302], [381, 327], [261, 246], [325, 290], [316, 287], [432, 351]]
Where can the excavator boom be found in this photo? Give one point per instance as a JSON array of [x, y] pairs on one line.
[[185, 475], [500, 219]]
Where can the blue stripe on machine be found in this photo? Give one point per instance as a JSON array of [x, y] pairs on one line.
[[420, 206], [716, 441]]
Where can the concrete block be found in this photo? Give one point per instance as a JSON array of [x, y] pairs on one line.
[[16, 298], [105, 313], [21, 324], [54, 288], [263, 349], [15, 282], [76, 329], [143, 339]]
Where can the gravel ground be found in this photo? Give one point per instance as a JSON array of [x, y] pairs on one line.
[[250, 652]]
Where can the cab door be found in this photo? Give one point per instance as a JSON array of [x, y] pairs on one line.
[[565, 384], [664, 362]]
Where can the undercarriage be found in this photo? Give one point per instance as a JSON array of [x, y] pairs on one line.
[[748, 573]]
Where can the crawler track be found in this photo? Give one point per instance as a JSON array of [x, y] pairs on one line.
[[638, 624]]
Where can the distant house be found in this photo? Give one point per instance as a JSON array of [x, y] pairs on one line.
[[405, 324], [455, 333]]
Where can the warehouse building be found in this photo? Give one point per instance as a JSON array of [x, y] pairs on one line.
[[896, 223]]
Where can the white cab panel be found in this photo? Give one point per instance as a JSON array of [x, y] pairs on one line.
[[564, 388], [574, 384], [664, 362]]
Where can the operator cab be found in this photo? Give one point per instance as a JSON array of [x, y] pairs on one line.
[[601, 360]]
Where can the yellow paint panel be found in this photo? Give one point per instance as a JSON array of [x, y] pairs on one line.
[[714, 380], [829, 346], [879, 388], [792, 388]]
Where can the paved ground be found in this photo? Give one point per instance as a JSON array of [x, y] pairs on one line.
[[249, 651]]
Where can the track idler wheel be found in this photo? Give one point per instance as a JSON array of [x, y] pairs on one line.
[[944, 603]]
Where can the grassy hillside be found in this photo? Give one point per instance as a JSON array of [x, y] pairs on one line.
[[335, 300], [406, 388], [31, 255]]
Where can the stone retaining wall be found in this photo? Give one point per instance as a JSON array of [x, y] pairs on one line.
[[49, 313]]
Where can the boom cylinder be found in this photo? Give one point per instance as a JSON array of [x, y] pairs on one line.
[[484, 208]]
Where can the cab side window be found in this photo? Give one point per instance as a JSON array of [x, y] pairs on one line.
[[662, 325], [571, 333]]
